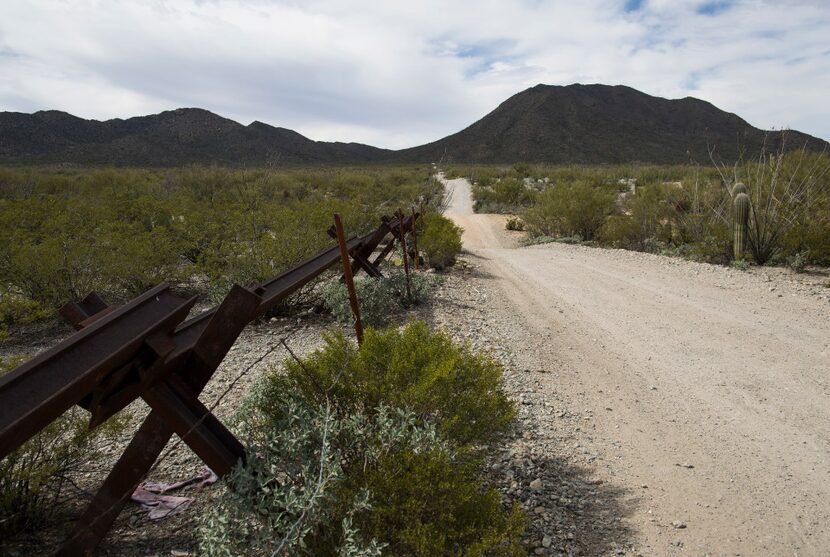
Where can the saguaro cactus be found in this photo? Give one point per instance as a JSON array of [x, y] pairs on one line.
[[741, 226]]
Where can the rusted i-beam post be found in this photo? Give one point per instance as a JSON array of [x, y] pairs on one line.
[[414, 238], [403, 249], [347, 276]]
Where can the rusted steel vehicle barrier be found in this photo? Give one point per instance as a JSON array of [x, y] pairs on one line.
[[148, 349]]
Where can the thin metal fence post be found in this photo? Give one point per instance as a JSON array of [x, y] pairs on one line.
[[414, 238], [347, 275], [403, 249]]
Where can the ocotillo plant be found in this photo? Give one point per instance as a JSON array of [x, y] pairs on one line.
[[741, 220]]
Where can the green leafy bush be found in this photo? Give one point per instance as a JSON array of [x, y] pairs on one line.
[[298, 492], [452, 386], [566, 210], [319, 483], [376, 298], [65, 232], [440, 240], [358, 451], [17, 310], [714, 246], [503, 195], [429, 505]]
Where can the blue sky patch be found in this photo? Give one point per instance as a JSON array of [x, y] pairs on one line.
[[633, 5], [714, 7]]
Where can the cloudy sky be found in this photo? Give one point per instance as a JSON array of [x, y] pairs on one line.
[[396, 74]]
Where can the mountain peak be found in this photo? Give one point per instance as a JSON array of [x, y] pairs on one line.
[[577, 123], [597, 124]]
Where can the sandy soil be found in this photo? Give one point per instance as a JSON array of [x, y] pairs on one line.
[[704, 390]]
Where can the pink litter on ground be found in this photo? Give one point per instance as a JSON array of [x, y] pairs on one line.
[[151, 496]]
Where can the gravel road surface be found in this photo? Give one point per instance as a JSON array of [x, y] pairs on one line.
[[702, 391]]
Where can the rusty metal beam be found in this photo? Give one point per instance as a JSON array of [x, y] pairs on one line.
[[76, 313], [347, 273], [215, 330], [283, 285], [99, 516], [196, 426], [144, 348], [39, 391]]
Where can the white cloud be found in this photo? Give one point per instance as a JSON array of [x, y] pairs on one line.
[[396, 74]]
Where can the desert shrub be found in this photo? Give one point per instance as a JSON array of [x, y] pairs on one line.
[[420, 288], [798, 262], [811, 236], [741, 265], [515, 223], [714, 244], [379, 298], [566, 210], [449, 385], [539, 240], [619, 231], [362, 450], [439, 240], [65, 232], [323, 484], [291, 496], [505, 195], [427, 504], [645, 224], [17, 310], [34, 477], [375, 296]]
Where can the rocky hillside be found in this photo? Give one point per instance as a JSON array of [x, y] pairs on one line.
[[172, 138], [601, 124], [574, 124]]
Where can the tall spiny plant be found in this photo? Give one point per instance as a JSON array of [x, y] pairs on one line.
[[741, 203], [783, 187]]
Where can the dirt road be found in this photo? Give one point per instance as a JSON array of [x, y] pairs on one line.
[[705, 390]]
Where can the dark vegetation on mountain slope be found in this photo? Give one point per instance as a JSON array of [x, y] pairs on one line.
[[600, 124], [589, 124], [172, 138]]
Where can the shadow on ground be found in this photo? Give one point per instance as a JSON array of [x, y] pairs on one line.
[[568, 512]]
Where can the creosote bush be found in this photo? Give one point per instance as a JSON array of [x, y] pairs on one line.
[[66, 232], [457, 389], [440, 240], [370, 450], [18, 310], [569, 209]]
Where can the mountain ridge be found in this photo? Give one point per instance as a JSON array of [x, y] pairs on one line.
[[169, 138], [596, 124], [590, 124]]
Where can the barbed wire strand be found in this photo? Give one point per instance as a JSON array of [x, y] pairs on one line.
[[181, 438]]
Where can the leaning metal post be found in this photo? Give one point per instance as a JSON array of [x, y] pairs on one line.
[[347, 275], [403, 249]]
